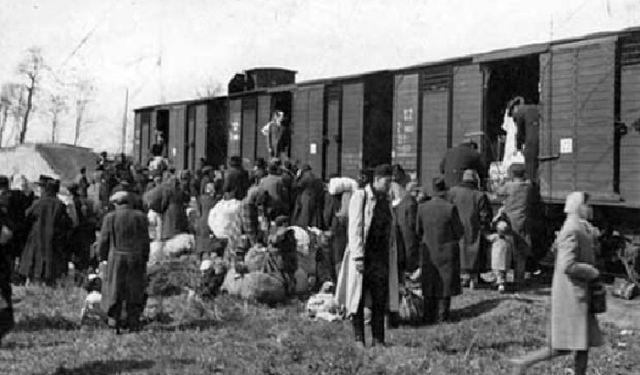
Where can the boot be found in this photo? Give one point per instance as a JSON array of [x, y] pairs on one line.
[[580, 362]]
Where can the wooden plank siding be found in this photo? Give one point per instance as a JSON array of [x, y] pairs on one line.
[[630, 142], [577, 101], [217, 144], [201, 132], [467, 102], [234, 147], [145, 137], [405, 121], [249, 131], [334, 131], [300, 125], [352, 128], [435, 112], [190, 138], [264, 116], [137, 133], [307, 139]]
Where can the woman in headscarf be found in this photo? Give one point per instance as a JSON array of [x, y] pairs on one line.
[[573, 327]]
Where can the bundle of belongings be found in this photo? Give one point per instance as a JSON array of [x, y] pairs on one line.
[[92, 313], [323, 305], [411, 299], [268, 274]]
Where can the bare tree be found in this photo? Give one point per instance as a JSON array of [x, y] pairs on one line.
[[11, 103], [31, 68], [209, 89], [84, 91], [56, 106]]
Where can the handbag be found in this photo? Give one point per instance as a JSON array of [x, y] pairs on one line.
[[411, 308], [623, 288], [598, 298]]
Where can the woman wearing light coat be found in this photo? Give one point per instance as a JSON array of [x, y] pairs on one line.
[[354, 269], [573, 327]]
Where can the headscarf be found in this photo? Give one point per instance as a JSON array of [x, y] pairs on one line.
[[574, 202]]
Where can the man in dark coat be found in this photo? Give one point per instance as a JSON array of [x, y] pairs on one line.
[[458, 159], [46, 253], [169, 200], [236, 179], [84, 234], [405, 208], [440, 230], [7, 228], [83, 182], [277, 136], [309, 200], [273, 194], [124, 245], [474, 210]]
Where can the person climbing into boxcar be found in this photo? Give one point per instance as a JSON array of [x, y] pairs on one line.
[[124, 246], [405, 208], [574, 327], [439, 229], [309, 193], [475, 214], [45, 255], [527, 119], [371, 264], [458, 159], [236, 179]]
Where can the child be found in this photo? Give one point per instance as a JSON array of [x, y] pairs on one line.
[[91, 311], [501, 249]]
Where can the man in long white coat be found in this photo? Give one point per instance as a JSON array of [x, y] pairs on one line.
[[370, 264]]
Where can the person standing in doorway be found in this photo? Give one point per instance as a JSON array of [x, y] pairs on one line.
[[276, 136], [372, 261]]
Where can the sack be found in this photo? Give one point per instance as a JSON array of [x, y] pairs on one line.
[[321, 302], [255, 258], [262, 287], [232, 283], [598, 300], [180, 244], [623, 288], [411, 308]]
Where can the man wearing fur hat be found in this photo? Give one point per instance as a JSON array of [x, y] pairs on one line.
[[124, 246], [46, 253], [372, 261]]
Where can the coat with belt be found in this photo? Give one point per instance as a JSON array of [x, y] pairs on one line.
[[572, 326], [440, 230], [474, 211], [124, 243], [349, 286]]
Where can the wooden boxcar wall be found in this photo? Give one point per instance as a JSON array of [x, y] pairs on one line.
[[435, 88], [137, 133], [249, 124], [352, 128], [190, 138], [264, 116], [467, 102], [177, 132], [333, 144], [405, 120], [217, 133], [235, 127], [377, 120], [307, 126], [630, 115], [577, 112], [201, 125]]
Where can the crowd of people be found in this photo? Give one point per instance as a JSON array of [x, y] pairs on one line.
[[383, 231]]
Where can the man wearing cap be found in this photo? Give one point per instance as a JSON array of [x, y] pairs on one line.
[[276, 135], [520, 208], [371, 258], [475, 214], [440, 230], [236, 179], [124, 246], [273, 194], [458, 159], [309, 193], [46, 253]]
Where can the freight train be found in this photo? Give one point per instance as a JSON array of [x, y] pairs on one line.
[[586, 91]]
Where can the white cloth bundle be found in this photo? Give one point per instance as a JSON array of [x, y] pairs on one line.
[[338, 185]]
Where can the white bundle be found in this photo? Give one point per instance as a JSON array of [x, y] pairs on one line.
[[339, 185]]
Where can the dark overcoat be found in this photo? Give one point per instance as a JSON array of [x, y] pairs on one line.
[[459, 159], [520, 207], [408, 244], [124, 243], [307, 211], [278, 201], [474, 210], [46, 254], [169, 200], [203, 233], [439, 229], [6, 265], [236, 183]]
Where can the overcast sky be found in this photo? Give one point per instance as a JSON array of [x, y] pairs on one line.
[[167, 50]]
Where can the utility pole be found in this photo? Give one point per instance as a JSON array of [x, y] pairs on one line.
[[124, 122]]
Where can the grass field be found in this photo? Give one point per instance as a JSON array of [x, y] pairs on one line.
[[248, 339]]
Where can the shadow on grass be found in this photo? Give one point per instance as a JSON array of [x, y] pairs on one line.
[[475, 310], [497, 346], [106, 367], [39, 322]]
